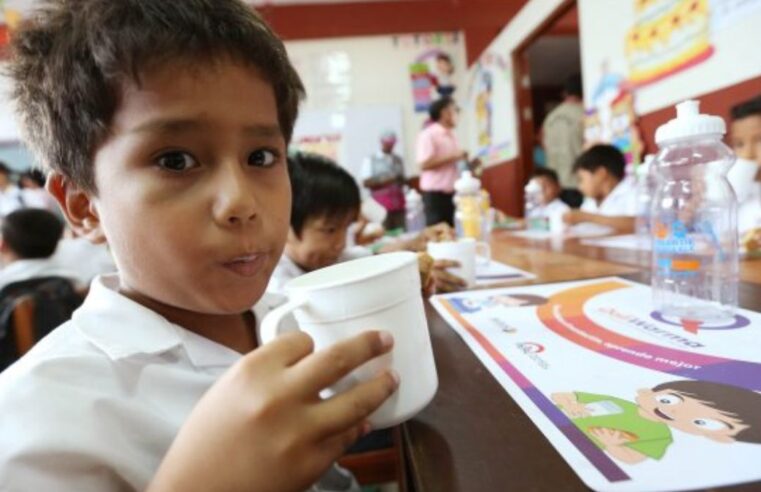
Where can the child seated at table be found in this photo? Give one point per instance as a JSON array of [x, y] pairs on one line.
[[610, 199], [28, 239], [745, 174], [166, 125], [326, 201], [549, 184]]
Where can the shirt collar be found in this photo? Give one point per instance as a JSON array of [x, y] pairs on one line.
[[122, 328]]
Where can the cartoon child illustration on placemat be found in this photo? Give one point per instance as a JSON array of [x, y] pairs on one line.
[[469, 306], [633, 432]]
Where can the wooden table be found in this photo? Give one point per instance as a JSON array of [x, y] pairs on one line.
[[473, 437]]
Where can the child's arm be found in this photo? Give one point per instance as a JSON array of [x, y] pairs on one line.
[[622, 224], [263, 425]]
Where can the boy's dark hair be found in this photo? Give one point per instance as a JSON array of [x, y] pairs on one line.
[[746, 109], [72, 58], [545, 172], [35, 175], [444, 57], [4, 169], [573, 86], [602, 156], [321, 188], [31, 232], [739, 402], [437, 107]]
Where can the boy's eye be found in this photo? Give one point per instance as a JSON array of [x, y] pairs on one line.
[[669, 399], [262, 158], [177, 161], [710, 424]]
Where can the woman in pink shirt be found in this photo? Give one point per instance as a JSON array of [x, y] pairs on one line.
[[438, 154]]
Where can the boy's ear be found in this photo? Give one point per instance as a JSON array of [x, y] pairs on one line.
[[77, 207]]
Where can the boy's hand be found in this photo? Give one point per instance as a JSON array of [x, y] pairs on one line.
[[443, 281], [263, 425], [610, 437]]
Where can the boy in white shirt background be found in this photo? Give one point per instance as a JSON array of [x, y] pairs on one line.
[[28, 240], [745, 174], [326, 201], [167, 140], [610, 199], [549, 184]]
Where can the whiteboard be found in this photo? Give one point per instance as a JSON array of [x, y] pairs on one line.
[[358, 130]]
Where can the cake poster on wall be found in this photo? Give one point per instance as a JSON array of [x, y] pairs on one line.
[[668, 36]]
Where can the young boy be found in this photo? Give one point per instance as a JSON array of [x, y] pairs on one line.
[[745, 175], [552, 205], [610, 200], [28, 239], [165, 125], [326, 201], [633, 432]]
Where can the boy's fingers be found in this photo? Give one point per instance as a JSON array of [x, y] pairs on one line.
[[350, 408], [337, 445], [288, 348], [443, 264], [328, 366]]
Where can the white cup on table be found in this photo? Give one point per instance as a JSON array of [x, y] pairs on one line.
[[467, 252], [381, 292]]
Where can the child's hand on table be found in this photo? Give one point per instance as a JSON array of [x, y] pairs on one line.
[[751, 241], [574, 217], [263, 425], [435, 278]]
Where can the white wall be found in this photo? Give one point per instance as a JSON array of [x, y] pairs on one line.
[[371, 72], [497, 60]]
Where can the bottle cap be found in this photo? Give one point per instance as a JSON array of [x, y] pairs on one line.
[[689, 122], [467, 183]]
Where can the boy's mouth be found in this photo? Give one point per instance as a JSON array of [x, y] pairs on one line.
[[246, 266], [661, 414]]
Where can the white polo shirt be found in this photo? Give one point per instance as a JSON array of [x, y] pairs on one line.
[[555, 207], [95, 405], [21, 270], [621, 202]]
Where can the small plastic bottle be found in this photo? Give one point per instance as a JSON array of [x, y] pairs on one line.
[[694, 220], [415, 214], [532, 194], [469, 216]]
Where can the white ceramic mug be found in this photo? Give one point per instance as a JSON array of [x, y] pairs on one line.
[[465, 252], [381, 292]]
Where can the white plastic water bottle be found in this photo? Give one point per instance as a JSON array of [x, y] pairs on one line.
[[694, 220], [415, 215], [469, 214], [532, 194]]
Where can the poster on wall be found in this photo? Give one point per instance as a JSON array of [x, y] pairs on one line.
[[433, 72], [655, 53], [633, 399], [492, 134]]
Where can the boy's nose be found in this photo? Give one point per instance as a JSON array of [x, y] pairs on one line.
[[236, 203]]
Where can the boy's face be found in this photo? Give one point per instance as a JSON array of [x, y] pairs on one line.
[[746, 138], [321, 242], [444, 66], [689, 415], [590, 183], [550, 189], [193, 191]]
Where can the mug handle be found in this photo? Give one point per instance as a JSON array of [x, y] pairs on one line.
[[272, 323], [485, 256]]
